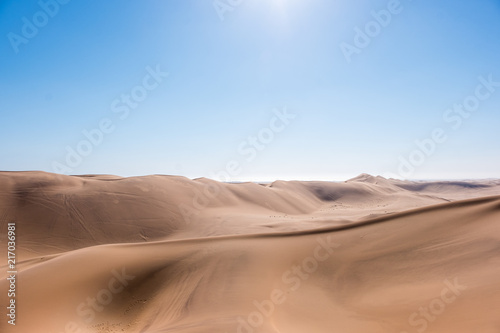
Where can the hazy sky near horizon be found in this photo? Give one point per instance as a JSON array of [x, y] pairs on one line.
[[257, 90]]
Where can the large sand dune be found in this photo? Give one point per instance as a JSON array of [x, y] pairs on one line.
[[170, 254]]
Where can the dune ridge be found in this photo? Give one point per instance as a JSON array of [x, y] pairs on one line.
[[365, 255]]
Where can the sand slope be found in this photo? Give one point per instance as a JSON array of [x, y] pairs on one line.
[[162, 254]]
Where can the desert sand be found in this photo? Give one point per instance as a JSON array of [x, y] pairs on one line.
[[101, 253]]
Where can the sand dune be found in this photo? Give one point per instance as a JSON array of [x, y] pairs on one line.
[[170, 254]]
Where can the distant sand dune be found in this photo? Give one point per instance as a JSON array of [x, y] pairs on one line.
[[170, 254]]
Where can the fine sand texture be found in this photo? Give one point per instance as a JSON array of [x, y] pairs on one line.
[[101, 253]]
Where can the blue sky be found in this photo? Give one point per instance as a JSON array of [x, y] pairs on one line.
[[251, 89]]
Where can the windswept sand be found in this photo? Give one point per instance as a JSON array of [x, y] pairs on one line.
[[170, 254]]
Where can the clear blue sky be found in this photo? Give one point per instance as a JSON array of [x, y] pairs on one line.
[[68, 68]]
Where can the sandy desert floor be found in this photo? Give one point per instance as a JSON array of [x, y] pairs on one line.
[[99, 253]]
